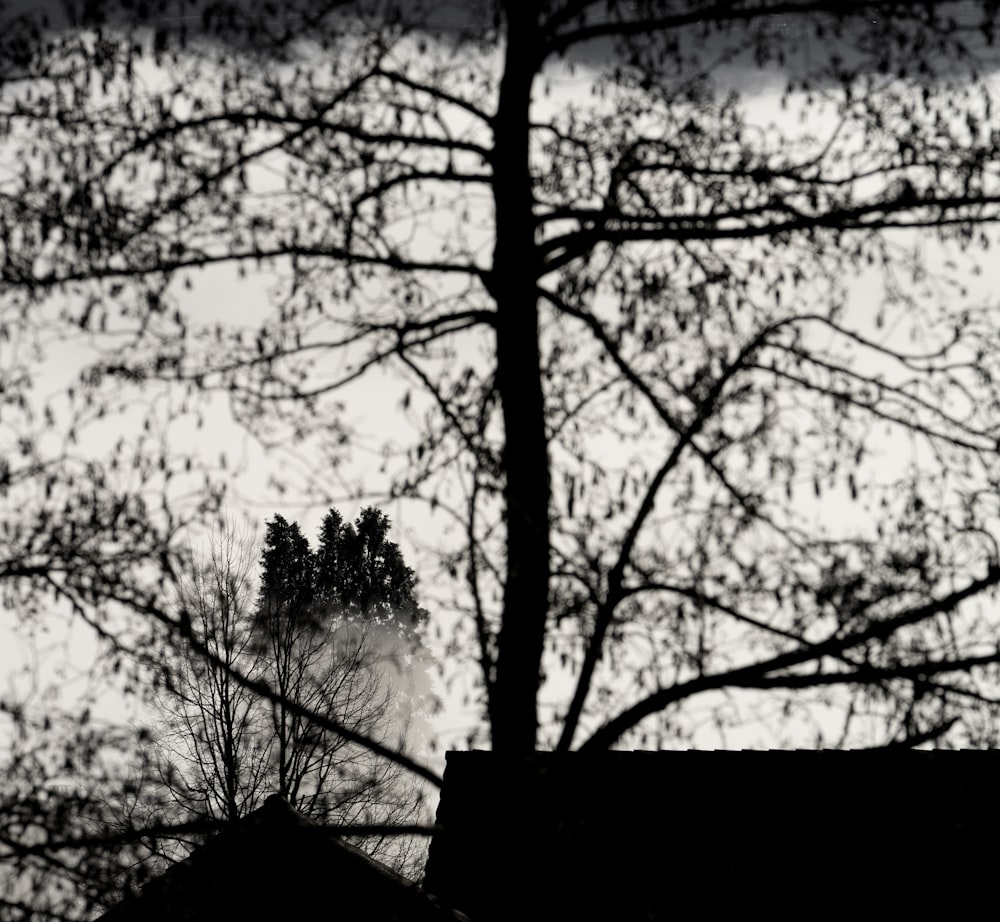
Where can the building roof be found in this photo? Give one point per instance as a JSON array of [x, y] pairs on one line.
[[665, 835], [629, 836], [276, 864]]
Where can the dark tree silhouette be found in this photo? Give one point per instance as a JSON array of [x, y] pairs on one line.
[[681, 301], [288, 571], [356, 570]]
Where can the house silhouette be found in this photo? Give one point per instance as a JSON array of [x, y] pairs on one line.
[[865, 835], [275, 864], [789, 835]]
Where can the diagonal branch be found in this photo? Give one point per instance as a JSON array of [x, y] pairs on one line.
[[182, 627], [912, 740], [615, 593], [752, 675]]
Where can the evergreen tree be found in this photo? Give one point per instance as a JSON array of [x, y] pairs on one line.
[[361, 571], [355, 570], [287, 571]]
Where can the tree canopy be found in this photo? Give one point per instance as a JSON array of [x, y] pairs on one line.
[[667, 314], [355, 571]]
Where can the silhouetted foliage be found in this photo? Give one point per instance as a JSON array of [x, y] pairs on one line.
[[355, 570], [288, 578]]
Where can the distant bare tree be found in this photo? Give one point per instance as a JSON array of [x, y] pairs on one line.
[[214, 725]]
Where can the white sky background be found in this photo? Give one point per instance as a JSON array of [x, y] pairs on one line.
[[373, 402]]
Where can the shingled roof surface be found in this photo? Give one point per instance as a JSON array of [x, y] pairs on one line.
[[273, 865], [672, 835]]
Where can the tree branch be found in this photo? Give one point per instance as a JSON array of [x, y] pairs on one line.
[[747, 676]]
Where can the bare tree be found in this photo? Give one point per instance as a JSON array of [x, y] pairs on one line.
[[215, 737], [657, 280]]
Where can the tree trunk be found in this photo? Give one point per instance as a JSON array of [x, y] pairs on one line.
[[525, 456]]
